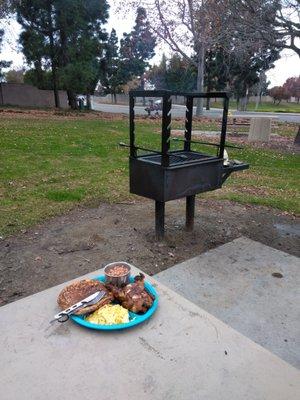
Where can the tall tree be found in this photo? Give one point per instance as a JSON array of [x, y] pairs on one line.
[[81, 44], [39, 38], [246, 65], [40, 78], [137, 47], [14, 76], [128, 61], [279, 93], [292, 87], [173, 74], [276, 22], [217, 69], [260, 88], [3, 63], [180, 76], [7, 7], [157, 74], [66, 36], [112, 77]]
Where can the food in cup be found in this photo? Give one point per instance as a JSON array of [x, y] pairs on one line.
[[118, 270], [117, 273]]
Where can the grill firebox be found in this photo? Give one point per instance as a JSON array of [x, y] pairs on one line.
[[169, 175]]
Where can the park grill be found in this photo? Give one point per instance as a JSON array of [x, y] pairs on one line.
[[172, 174]]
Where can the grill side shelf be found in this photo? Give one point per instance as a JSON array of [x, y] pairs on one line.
[[233, 166]]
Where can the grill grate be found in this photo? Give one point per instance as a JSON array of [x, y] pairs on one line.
[[181, 157]]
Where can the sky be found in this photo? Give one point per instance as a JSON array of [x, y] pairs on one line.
[[287, 66]]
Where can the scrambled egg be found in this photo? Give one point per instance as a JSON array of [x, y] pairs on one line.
[[109, 314]]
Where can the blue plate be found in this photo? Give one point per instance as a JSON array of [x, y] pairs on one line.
[[134, 319]]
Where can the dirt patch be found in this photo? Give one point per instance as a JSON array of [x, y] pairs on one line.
[[276, 142], [52, 114], [86, 239]]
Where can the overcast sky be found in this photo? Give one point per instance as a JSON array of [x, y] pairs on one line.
[[288, 65]]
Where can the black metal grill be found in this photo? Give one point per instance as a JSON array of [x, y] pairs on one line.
[[168, 175]]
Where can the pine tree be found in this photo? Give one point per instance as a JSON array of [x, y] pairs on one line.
[[175, 74], [245, 69], [66, 37], [137, 47], [81, 44], [180, 75], [3, 64], [112, 77], [157, 74]]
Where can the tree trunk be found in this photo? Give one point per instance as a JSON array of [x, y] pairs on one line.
[[39, 74], [243, 103], [88, 101], [258, 99], [256, 102], [208, 90], [53, 58], [297, 138], [244, 100], [115, 98], [258, 94], [55, 87], [200, 76], [143, 88], [72, 99], [208, 104]]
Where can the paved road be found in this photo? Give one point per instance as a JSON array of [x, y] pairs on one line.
[[179, 111]]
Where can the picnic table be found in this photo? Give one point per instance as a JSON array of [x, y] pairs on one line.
[[182, 352]]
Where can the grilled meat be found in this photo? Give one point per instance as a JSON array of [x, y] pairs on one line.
[[133, 296]]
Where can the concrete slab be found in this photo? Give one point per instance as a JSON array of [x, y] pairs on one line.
[[234, 282], [182, 352]]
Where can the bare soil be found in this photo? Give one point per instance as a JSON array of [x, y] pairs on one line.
[[53, 114], [86, 239]]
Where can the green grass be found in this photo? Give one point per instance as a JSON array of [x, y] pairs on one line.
[[66, 195], [283, 107], [49, 166]]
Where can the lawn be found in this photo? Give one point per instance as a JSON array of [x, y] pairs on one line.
[[283, 107], [49, 166]]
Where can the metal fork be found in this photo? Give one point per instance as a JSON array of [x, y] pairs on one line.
[[64, 315]]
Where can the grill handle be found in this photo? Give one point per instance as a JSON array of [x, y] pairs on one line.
[[121, 144]]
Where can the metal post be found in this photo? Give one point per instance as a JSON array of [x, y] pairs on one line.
[[190, 212], [224, 126], [131, 126], [1, 90], [188, 123], [159, 219], [166, 129]]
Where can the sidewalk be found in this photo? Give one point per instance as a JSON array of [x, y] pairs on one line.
[[236, 283]]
